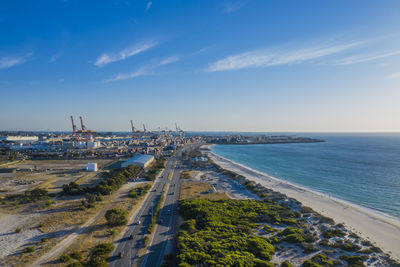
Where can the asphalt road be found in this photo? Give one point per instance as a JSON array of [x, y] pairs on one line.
[[164, 230]]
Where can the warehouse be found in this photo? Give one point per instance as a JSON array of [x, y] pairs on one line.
[[140, 160]]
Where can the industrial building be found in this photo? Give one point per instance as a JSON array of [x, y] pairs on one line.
[[20, 139], [140, 160], [92, 167]]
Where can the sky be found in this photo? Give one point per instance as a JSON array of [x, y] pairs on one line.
[[210, 65]]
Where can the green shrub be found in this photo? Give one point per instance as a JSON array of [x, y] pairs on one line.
[[365, 251], [100, 254], [221, 233], [116, 217], [322, 260], [29, 249], [308, 263], [65, 258], [76, 255], [18, 230], [146, 241], [286, 264], [350, 247], [292, 235], [75, 264], [333, 233], [43, 239], [327, 220], [355, 261]]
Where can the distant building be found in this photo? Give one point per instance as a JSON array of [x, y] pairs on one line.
[[20, 139], [92, 167], [93, 144], [140, 160]]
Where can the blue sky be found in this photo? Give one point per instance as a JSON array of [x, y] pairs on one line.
[[236, 65]]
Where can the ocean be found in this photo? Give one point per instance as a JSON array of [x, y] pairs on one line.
[[362, 168]]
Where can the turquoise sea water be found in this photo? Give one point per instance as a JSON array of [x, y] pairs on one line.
[[360, 168]]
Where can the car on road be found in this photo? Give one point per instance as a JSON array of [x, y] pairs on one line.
[[138, 222], [130, 237], [120, 255]]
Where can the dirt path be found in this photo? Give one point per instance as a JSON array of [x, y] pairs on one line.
[[68, 240]]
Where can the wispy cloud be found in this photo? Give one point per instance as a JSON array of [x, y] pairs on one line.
[[149, 4], [8, 62], [54, 58], [145, 70], [232, 6], [393, 76], [363, 58], [105, 59], [275, 57]]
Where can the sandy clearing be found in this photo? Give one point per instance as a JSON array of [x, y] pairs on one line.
[[10, 241]]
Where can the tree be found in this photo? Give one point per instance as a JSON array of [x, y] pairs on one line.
[[116, 217]]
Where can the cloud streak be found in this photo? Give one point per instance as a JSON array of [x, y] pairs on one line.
[[54, 58], [143, 71], [231, 6], [393, 76], [149, 4], [105, 59], [363, 58], [8, 62], [276, 57]]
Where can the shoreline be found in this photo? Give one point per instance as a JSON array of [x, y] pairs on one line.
[[378, 228]]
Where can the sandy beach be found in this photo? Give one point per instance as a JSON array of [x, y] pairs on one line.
[[381, 230]]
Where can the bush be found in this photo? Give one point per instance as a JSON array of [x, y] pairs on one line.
[[333, 233], [116, 217], [100, 254], [43, 239], [65, 258], [292, 235], [103, 249], [72, 189], [322, 260], [354, 261], [76, 255], [18, 230], [75, 264], [286, 264], [365, 251], [29, 249], [41, 225], [309, 263], [145, 241], [221, 233], [350, 247]]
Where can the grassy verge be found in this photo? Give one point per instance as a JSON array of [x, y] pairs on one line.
[[154, 169], [157, 210]]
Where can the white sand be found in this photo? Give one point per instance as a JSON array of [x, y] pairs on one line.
[[383, 231], [10, 241]]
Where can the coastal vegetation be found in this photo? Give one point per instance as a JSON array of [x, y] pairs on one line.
[[236, 232], [221, 233], [154, 170]]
